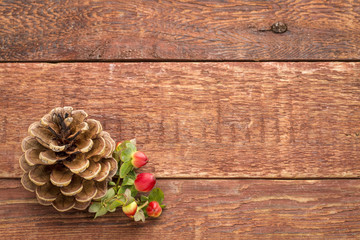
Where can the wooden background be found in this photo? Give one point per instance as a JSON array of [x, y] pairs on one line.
[[251, 134]]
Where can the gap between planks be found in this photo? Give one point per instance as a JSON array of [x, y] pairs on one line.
[[180, 61]]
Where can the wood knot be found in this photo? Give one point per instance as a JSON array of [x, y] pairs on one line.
[[279, 27]]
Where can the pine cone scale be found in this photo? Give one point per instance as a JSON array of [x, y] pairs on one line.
[[39, 175], [105, 169], [32, 157], [81, 205], [101, 190], [42, 202], [83, 145], [47, 192], [56, 147], [46, 121], [61, 176], [78, 165], [30, 142], [87, 193], [92, 171], [78, 117], [49, 157], [108, 150], [27, 183], [23, 164], [94, 128], [73, 188], [98, 148], [113, 166], [63, 203], [40, 133]]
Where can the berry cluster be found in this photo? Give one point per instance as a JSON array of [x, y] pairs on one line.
[[127, 185]]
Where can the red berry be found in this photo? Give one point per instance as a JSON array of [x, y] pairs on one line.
[[154, 209], [139, 159], [130, 209], [144, 182]]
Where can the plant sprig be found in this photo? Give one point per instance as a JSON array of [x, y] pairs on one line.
[[126, 185]]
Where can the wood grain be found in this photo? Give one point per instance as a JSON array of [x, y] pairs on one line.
[[267, 120], [201, 209], [182, 30]]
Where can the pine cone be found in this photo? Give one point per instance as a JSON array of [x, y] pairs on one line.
[[67, 159]]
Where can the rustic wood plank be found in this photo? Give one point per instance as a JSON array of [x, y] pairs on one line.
[[183, 29], [263, 120], [201, 209]]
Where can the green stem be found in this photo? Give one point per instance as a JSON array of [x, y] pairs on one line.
[[146, 203], [117, 183]]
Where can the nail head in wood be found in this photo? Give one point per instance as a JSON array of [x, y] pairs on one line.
[[279, 27]]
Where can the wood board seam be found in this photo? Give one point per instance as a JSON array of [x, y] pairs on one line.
[[183, 61]]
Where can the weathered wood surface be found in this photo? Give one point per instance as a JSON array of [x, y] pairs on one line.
[[267, 120], [201, 209], [183, 30]]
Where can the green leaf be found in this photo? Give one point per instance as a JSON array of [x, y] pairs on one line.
[[109, 194], [112, 210], [122, 199], [126, 155], [133, 191], [139, 215], [132, 174], [127, 193], [163, 206], [121, 190], [94, 207], [102, 211], [125, 168], [115, 204], [129, 179], [131, 146], [116, 155], [156, 195], [128, 198], [111, 183]]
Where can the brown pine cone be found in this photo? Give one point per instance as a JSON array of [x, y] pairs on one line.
[[67, 159]]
